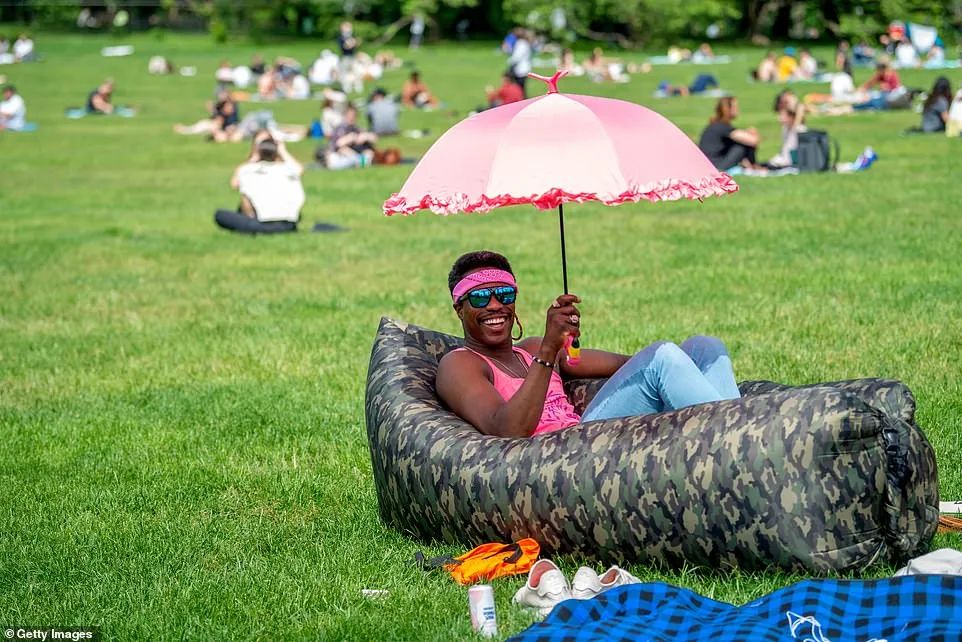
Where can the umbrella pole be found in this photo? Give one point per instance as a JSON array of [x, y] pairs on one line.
[[564, 261], [573, 348]]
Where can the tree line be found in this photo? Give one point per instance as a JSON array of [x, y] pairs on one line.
[[626, 22]]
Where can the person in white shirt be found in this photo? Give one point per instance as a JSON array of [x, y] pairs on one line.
[[791, 116], [297, 88], [23, 48], [843, 88], [324, 70], [807, 66], [906, 56], [271, 191], [520, 61], [13, 111]]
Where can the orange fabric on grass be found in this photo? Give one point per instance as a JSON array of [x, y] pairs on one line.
[[491, 561]]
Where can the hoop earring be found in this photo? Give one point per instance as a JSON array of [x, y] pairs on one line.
[[520, 329]]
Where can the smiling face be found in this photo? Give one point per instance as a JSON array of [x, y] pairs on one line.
[[490, 325]]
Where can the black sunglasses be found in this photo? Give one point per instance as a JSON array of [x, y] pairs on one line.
[[480, 298]]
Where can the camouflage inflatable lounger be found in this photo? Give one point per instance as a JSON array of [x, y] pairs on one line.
[[816, 479]]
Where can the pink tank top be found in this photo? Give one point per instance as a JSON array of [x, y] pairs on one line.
[[558, 412]]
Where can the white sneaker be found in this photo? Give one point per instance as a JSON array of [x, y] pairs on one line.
[[587, 584], [546, 587]]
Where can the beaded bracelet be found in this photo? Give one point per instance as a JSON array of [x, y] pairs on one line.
[[542, 362]]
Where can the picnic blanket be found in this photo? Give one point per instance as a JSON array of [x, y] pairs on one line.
[[27, 127], [74, 113], [668, 60], [914, 607], [738, 170], [708, 93]]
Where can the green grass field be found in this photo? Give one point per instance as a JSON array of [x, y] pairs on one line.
[[182, 443]]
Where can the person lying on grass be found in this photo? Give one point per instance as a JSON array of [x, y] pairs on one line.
[[508, 386]]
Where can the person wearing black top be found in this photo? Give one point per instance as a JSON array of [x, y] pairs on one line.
[[257, 65], [935, 110], [224, 119], [723, 144], [98, 101]]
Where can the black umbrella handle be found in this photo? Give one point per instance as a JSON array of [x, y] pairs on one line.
[[573, 348], [564, 259]]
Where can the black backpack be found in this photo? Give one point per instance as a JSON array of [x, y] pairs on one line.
[[815, 151]]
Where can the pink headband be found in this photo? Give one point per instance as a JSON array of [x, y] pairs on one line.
[[481, 277]]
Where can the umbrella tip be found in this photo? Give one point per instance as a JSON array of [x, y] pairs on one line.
[[552, 82]]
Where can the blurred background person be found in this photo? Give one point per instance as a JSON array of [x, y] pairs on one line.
[[382, 113], [723, 144], [13, 110], [99, 101], [509, 92], [935, 109], [415, 93], [271, 193]]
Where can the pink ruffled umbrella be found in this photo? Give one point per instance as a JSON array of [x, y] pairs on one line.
[[556, 149]]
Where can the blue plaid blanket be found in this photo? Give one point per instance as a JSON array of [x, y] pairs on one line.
[[915, 607]]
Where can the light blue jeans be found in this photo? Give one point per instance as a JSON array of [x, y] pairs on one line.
[[665, 376]]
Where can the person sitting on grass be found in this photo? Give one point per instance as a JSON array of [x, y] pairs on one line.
[[13, 111], [889, 94], [703, 55], [569, 64], [843, 56], [508, 92], [787, 65], [723, 144], [863, 53], [272, 195], [23, 49], [885, 79], [791, 116], [807, 66], [99, 100], [224, 119], [767, 69], [935, 109], [333, 107], [601, 69], [414, 93], [506, 385], [267, 86], [382, 114], [349, 147]]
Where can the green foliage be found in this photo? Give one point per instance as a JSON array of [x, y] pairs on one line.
[[868, 19], [53, 13], [642, 21], [218, 30]]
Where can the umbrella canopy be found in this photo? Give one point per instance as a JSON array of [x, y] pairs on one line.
[[555, 149]]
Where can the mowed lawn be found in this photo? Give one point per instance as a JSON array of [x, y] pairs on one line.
[[182, 444]]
